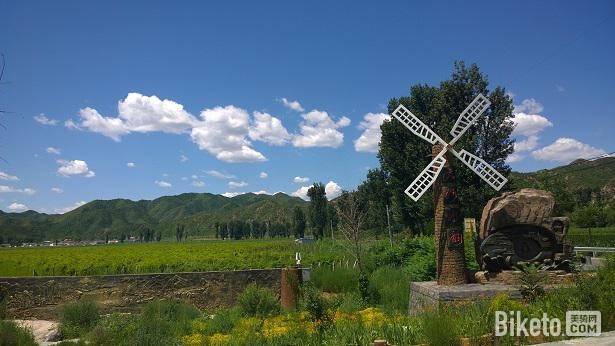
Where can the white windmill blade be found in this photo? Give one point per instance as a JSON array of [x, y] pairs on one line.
[[415, 125], [482, 168], [427, 177], [469, 115]]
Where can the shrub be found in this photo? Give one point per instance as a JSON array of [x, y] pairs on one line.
[[222, 322], [78, 318], [175, 311], [337, 280], [11, 334], [439, 327], [531, 283], [350, 302], [317, 307], [258, 301], [391, 287]]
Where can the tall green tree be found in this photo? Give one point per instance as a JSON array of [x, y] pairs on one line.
[[403, 155], [318, 209], [375, 193], [299, 222]]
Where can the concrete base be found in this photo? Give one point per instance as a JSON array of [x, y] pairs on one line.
[[430, 295]]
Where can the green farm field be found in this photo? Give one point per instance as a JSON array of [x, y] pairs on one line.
[[163, 257]]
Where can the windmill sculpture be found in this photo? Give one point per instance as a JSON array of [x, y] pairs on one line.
[[450, 257]]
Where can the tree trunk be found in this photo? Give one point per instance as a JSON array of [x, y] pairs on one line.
[[448, 232]]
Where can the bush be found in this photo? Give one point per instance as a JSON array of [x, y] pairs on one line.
[[531, 283], [440, 327], [391, 286], [222, 322], [11, 334], [258, 301], [78, 318], [337, 280]]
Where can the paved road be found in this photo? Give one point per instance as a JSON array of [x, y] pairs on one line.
[[604, 339]]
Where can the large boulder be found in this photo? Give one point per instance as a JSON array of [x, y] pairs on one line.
[[523, 207]]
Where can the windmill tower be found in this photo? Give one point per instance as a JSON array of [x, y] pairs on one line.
[[450, 256]]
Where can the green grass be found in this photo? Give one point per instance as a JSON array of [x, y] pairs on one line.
[[603, 236], [164, 257]]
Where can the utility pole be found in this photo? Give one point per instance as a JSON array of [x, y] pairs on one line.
[[389, 225]]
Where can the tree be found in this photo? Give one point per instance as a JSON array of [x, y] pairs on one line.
[[298, 222], [403, 155], [318, 209], [352, 216], [374, 192]]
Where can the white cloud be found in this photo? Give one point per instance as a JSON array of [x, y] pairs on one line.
[[319, 130], [10, 189], [198, 183], [300, 180], [370, 138], [162, 183], [263, 175], [131, 164], [223, 133], [17, 207], [183, 158], [559, 88], [71, 124], [332, 190], [302, 193], [529, 124], [232, 194], [566, 150], [294, 105], [75, 167], [263, 192], [6, 176], [530, 143], [70, 207], [56, 190], [269, 129], [530, 106], [218, 174], [42, 119], [237, 184], [514, 157], [54, 151], [113, 128]]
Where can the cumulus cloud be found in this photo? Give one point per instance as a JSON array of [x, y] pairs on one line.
[[220, 175], [56, 190], [223, 132], [71, 124], [9, 189], [566, 150], [131, 164], [6, 176], [527, 144], [183, 158], [42, 119], [237, 184], [514, 157], [530, 106], [70, 207], [529, 124], [17, 207], [302, 193], [162, 183], [54, 151], [198, 183], [318, 130], [370, 138], [332, 189], [293, 105], [232, 194], [75, 168], [269, 129], [263, 175], [300, 180]]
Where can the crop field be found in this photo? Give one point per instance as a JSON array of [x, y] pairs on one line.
[[604, 236], [162, 257]]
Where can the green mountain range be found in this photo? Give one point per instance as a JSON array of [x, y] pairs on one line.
[[199, 212], [99, 219]]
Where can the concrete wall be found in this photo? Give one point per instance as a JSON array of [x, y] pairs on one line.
[[38, 297]]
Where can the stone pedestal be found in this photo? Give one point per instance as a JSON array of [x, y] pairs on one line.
[[430, 295]]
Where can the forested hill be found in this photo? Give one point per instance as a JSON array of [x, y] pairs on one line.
[[198, 212], [574, 185]]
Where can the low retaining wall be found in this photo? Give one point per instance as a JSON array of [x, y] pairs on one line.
[[38, 297]]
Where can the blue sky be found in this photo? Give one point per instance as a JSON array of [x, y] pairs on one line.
[[143, 99]]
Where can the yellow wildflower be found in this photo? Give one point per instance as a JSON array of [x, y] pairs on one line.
[[372, 316], [219, 339], [193, 340]]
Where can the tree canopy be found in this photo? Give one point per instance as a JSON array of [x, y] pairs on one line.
[[403, 155]]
